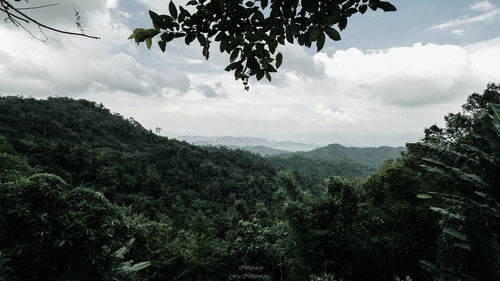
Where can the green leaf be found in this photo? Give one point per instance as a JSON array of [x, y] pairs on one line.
[[351, 11], [321, 41], [386, 6], [167, 36], [333, 34], [220, 36], [464, 246], [273, 46], [279, 60], [314, 33], [201, 39], [289, 35], [270, 68], [162, 45], [427, 264], [362, 9], [172, 9], [268, 76], [455, 233], [137, 266], [263, 4], [329, 20], [222, 46], [343, 23], [149, 42], [189, 38], [260, 75], [221, 4], [234, 55], [136, 32], [424, 196], [445, 212], [237, 72], [154, 16], [231, 66]]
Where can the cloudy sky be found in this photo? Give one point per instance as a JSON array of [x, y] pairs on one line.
[[392, 75]]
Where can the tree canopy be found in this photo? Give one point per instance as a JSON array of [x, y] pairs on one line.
[[251, 31]]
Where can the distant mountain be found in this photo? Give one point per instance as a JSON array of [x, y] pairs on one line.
[[361, 140], [371, 156], [338, 160], [262, 150], [248, 143]]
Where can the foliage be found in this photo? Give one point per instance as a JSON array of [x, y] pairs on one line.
[[207, 212], [337, 160], [250, 31], [470, 163], [53, 232]]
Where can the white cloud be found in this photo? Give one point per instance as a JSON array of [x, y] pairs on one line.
[[484, 57], [393, 91], [73, 65], [216, 91], [482, 6], [161, 6], [331, 115], [404, 76], [111, 4], [62, 15], [458, 32], [490, 16]]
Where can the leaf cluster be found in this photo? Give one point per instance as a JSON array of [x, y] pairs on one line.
[[251, 31]]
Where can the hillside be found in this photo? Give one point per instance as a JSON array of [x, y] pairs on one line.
[[338, 160], [370, 156], [85, 144]]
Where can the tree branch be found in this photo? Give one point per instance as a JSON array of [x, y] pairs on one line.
[[39, 7], [27, 19]]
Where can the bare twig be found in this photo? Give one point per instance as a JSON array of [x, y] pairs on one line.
[[22, 16], [39, 7], [14, 16], [9, 16]]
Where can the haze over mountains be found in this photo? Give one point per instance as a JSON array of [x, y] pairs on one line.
[[267, 147], [256, 145]]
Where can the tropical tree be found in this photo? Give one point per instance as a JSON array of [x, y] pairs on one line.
[[469, 170]]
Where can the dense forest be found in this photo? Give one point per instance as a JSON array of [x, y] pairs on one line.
[[90, 195], [337, 160]]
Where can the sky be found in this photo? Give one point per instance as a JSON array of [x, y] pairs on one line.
[[391, 75]]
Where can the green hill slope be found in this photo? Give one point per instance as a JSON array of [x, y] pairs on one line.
[[85, 144], [338, 160]]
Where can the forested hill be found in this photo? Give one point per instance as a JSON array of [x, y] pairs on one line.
[[89, 195], [338, 160], [85, 144], [371, 156]]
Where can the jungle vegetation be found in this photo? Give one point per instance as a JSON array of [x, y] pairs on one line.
[[90, 195]]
